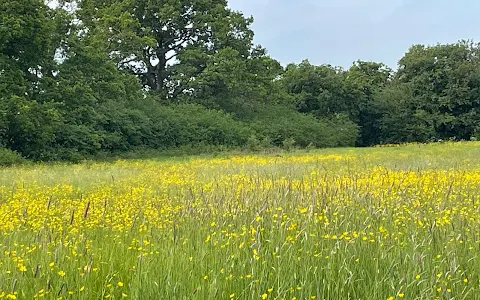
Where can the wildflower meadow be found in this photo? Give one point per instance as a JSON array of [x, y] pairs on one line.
[[400, 222]]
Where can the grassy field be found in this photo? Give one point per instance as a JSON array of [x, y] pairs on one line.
[[381, 223]]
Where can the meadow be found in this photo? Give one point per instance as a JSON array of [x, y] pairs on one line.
[[380, 223]]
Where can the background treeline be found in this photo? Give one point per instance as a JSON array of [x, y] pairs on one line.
[[92, 77]]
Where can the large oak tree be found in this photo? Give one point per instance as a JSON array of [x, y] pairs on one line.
[[151, 37]]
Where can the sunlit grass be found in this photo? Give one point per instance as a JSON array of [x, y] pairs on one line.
[[381, 223]]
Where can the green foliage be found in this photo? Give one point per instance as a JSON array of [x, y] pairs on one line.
[[10, 158], [288, 144], [398, 122], [255, 144], [194, 124], [138, 76], [444, 80], [321, 90], [370, 78], [25, 33], [342, 131], [152, 38], [235, 84], [281, 126], [327, 92], [172, 126], [29, 127]]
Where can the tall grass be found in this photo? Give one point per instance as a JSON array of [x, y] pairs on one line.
[[380, 223]]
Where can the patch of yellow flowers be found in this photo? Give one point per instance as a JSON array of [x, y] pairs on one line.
[[305, 226]]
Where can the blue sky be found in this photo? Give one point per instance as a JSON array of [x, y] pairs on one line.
[[339, 32]]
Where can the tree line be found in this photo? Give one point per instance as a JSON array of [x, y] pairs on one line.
[[84, 78]]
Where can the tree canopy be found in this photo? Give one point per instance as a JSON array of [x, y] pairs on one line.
[[87, 78]]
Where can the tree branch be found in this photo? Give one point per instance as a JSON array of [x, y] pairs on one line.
[[170, 57], [124, 62], [182, 86]]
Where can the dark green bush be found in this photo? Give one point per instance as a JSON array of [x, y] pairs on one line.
[[191, 124], [29, 127], [287, 127]]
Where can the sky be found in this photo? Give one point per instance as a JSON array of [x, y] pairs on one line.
[[339, 32]]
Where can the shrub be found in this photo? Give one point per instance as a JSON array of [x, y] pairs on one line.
[[194, 124], [288, 144], [285, 127], [9, 157]]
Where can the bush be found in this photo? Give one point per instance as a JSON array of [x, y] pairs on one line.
[[342, 131], [29, 127], [194, 125], [255, 144], [288, 129], [288, 144], [9, 157]]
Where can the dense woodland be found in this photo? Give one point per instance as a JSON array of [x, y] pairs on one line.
[[86, 78]]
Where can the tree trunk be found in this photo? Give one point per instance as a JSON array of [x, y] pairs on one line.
[[161, 74]]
